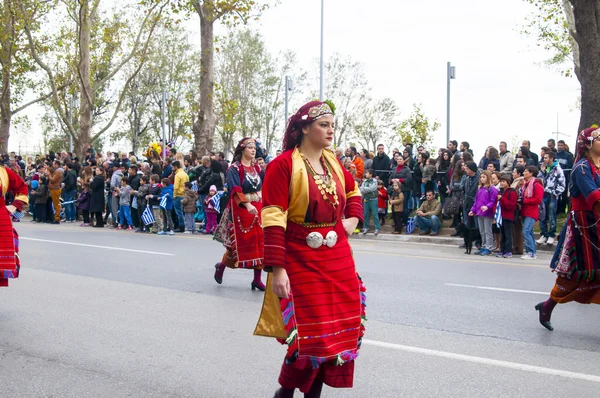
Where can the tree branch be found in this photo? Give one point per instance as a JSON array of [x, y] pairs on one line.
[[133, 75], [40, 99], [46, 68], [135, 46]]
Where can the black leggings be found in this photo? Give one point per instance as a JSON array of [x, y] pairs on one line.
[[98, 215], [398, 220]]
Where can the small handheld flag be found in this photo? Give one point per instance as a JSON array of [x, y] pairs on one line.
[[148, 216], [163, 202], [498, 215]]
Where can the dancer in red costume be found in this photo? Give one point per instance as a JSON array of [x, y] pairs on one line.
[[577, 256], [9, 240], [311, 204], [240, 229]]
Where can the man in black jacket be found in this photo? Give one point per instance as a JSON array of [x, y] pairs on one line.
[[134, 183], [381, 164], [70, 189]]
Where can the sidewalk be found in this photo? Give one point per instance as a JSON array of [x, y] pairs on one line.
[[443, 238]]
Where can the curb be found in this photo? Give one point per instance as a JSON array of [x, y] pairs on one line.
[[432, 240]]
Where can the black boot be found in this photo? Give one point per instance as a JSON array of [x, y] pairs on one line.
[[284, 393], [315, 390]]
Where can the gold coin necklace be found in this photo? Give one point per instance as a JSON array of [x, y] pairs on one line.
[[325, 182]]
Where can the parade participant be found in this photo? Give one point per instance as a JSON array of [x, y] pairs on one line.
[[9, 239], [311, 206], [577, 256], [240, 229]]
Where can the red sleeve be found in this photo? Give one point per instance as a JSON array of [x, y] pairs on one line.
[[354, 202], [274, 212], [17, 186], [509, 202]]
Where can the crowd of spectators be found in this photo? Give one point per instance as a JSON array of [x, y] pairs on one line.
[[411, 188]]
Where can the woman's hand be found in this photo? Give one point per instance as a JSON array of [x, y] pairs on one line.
[[251, 209], [11, 209], [471, 214], [350, 225], [484, 208], [281, 282]]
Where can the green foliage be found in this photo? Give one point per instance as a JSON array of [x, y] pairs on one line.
[[549, 25], [418, 129]]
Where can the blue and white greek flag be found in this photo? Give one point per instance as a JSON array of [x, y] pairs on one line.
[[195, 186], [17, 215], [216, 200], [148, 216], [163, 202], [498, 215]]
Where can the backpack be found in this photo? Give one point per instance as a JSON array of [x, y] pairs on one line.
[[451, 206]]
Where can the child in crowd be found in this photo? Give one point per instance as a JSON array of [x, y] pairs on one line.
[[124, 193], [397, 202], [483, 209], [140, 195], [382, 202], [189, 207], [369, 192], [496, 228], [154, 192], [211, 212], [41, 195], [428, 172], [508, 206], [83, 202], [167, 192]]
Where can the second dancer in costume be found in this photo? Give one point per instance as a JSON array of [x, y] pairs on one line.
[[311, 206], [240, 229], [577, 256]]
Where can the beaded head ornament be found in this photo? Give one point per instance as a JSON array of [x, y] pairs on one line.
[[307, 114], [586, 137]]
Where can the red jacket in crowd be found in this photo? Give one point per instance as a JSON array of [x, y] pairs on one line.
[[508, 204], [531, 205], [382, 198]]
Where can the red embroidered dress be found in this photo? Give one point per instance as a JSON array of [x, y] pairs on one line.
[[9, 239], [239, 231], [324, 316], [577, 256]]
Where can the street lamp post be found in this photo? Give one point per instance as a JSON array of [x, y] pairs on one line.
[[71, 103], [322, 61], [451, 74], [163, 122]]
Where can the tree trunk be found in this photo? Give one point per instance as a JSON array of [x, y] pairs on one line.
[[587, 25], [6, 58], [83, 69], [204, 127]]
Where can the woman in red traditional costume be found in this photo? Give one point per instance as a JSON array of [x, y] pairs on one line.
[[577, 256], [240, 229], [9, 240], [311, 204]]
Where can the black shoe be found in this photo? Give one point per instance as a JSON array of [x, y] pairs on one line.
[[539, 308], [55, 222], [218, 278]]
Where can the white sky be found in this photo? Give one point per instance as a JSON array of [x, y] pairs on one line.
[[501, 90]]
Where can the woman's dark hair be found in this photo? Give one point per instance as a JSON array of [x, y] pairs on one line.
[[533, 170], [445, 164], [237, 155], [458, 171], [467, 157], [525, 152], [520, 170], [424, 156], [215, 166], [493, 153]]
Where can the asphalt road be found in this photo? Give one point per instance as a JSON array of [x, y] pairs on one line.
[[95, 315]]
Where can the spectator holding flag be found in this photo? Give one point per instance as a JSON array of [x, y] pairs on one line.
[[154, 192], [211, 211], [166, 204], [189, 206]]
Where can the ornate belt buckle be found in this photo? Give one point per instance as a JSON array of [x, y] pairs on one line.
[[331, 239], [315, 240]]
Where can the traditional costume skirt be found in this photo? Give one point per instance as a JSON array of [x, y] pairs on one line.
[[577, 260], [9, 248], [242, 235], [325, 314]]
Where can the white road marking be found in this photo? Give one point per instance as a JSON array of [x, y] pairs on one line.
[[499, 289], [486, 361], [97, 246]]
